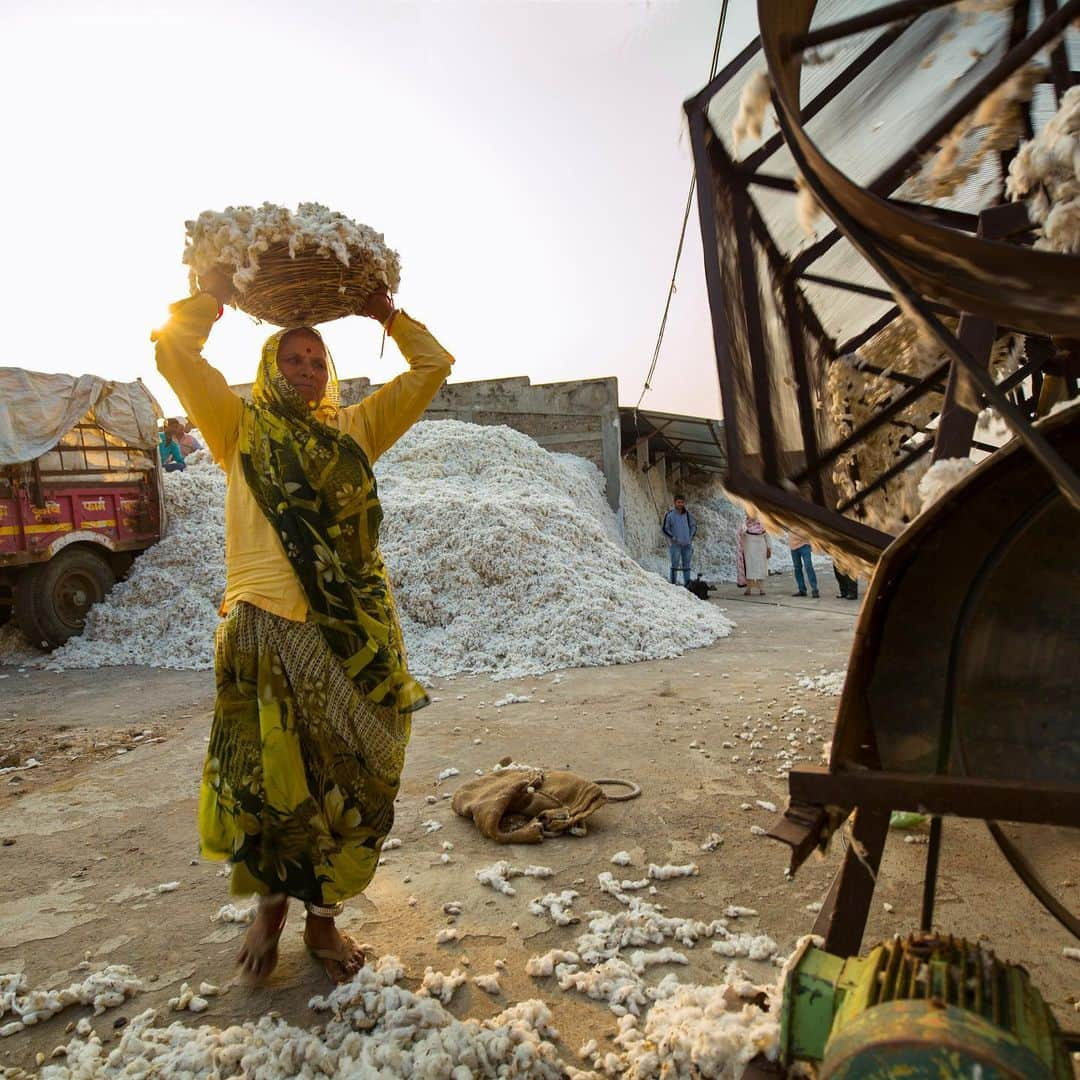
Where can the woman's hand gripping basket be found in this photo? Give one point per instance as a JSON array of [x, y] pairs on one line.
[[291, 269]]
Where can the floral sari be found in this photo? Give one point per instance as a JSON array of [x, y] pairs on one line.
[[312, 719]]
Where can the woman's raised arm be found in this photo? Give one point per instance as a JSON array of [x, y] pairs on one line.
[[202, 389], [381, 419]]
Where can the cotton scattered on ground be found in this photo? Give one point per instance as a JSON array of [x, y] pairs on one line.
[[373, 1026], [504, 560], [441, 985], [830, 683], [498, 875], [22, 1007], [665, 873], [230, 913], [695, 1031], [667, 1029], [512, 699], [556, 906]]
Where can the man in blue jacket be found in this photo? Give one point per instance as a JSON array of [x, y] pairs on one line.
[[679, 527]]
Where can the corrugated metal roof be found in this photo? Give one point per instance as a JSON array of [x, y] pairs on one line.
[[696, 440]]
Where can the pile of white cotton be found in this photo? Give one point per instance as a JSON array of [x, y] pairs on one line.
[[239, 235], [504, 559], [500, 564], [165, 614]]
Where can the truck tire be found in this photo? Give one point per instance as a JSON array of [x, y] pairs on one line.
[[53, 598]]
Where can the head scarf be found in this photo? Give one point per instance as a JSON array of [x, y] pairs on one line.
[[316, 487]]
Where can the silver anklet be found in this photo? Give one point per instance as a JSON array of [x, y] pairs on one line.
[[323, 912]]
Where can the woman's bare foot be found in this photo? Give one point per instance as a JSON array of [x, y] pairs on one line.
[[339, 954], [259, 954]]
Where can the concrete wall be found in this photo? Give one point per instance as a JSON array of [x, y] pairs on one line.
[[567, 418]]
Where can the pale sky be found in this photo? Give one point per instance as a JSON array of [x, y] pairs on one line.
[[529, 162]]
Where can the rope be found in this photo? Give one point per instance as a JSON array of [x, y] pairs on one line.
[[678, 257], [682, 232], [633, 793]]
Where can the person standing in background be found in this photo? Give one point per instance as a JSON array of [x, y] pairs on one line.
[[754, 551], [172, 458], [849, 586], [680, 527], [188, 443], [800, 558]]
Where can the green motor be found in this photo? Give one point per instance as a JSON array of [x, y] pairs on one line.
[[924, 1006]]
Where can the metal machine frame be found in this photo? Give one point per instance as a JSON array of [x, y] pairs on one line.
[[938, 264]]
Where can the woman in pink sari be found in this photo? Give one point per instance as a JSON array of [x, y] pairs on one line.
[[754, 554]]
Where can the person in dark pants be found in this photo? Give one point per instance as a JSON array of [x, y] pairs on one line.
[[849, 587], [804, 565], [679, 528]]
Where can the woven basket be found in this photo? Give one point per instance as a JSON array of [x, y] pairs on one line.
[[304, 290]]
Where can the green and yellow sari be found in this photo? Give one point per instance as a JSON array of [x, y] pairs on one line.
[[312, 719]]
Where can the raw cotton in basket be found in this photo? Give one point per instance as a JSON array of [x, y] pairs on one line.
[[292, 268]]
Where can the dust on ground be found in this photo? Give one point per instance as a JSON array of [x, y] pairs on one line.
[[92, 828]]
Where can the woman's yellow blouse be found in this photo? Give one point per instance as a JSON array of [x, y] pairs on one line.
[[257, 569]]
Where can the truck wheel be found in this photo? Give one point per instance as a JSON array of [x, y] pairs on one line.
[[53, 598]]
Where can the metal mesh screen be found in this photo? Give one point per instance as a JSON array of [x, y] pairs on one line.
[[811, 352]]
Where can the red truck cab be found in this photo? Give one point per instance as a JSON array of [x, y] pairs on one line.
[[72, 521]]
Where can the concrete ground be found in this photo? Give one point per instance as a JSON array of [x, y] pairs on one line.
[[110, 812]]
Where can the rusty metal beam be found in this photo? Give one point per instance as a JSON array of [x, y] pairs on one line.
[[957, 425], [816, 104], [843, 915], [882, 16], [864, 290], [957, 796]]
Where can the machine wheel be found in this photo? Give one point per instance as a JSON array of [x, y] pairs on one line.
[[52, 600]]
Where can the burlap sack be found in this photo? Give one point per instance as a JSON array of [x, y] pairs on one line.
[[522, 806]]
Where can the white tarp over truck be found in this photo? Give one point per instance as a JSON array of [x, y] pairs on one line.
[[37, 410], [80, 494]]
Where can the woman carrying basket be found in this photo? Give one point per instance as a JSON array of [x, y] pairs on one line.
[[314, 696]]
